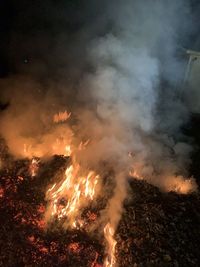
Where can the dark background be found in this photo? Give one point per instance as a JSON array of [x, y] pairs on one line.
[[50, 17]]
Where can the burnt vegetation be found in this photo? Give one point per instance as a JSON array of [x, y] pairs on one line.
[[156, 229]]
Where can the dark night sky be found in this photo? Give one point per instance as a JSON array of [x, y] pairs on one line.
[[31, 18], [49, 17]]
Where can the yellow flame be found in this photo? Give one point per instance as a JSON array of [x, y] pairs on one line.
[[73, 193], [34, 166], [68, 151], [135, 174], [110, 260]]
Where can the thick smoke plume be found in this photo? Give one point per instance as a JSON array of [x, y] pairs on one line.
[[114, 65]]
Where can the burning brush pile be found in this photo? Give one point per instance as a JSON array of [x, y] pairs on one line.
[[54, 212], [94, 157], [26, 237]]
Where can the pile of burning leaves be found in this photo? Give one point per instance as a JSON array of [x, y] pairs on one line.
[[157, 229], [25, 239]]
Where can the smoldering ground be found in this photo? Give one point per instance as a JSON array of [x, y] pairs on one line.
[[115, 66]]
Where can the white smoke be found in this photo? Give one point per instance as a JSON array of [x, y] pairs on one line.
[[117, 74], [134, 111]]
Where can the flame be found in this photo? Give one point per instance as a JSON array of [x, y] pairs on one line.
[[61, 116], [68, 151], [62, 146], [34, 166], [72, 193], [110, 260], [26, 150], [135, 174], [51, 143], [178, 184], [83, 145], [181, 185]]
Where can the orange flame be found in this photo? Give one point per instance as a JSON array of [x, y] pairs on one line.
[[34, 166], [181, 185], [134, 173], [61, 116], [68, 151], [110, 260], [73, 193], [83, 145]]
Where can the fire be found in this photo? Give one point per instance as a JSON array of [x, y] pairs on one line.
[[26, 150], [72, 193], [1, 192], [74, 247], [134, 173], [34, 166], [181, 185], [83, 145], [61, 116], [110, 260], [61, 146], [68, 151], [178, 184]]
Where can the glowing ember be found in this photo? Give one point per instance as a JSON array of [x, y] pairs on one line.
[[41, 208], [73, 193], [74, 247], [110, 260], [91, 216], [1, 192]]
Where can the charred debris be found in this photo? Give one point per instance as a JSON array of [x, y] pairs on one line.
[[157, 229]]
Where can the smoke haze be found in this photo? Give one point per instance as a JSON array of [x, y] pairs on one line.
[[114, 65]]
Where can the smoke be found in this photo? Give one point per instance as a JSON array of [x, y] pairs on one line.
[[115, 66], [134, 88], [27, 124]]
